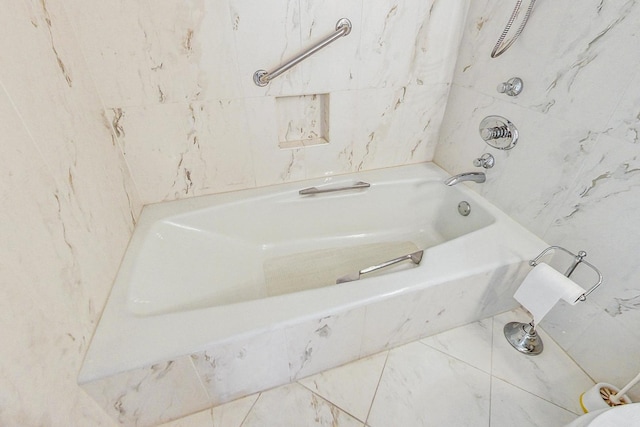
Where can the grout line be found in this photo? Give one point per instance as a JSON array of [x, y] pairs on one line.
[[491, 370], [566, 353], [315, 393], [366, 421], [539, 397], [200, 381], [249, 411]]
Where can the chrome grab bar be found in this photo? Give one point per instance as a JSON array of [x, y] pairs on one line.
[[415, 257], [262, 77], [577, 259], [316, 190]]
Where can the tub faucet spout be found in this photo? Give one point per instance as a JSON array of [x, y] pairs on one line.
[[478, 177]]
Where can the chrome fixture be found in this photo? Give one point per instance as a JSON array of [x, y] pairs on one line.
[[486, 161], [316, 190], [464, 208], [511, 87], [414, 257], [577, 259], [478, 177], [262, 77], [498, 132], [501, 47], [523, 336]]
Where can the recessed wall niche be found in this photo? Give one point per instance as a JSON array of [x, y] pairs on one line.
[[303, 120]]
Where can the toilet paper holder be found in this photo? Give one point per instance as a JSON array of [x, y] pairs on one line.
[[577, 260], [523, 336]]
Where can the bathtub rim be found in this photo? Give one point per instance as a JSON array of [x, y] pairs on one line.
[[98, 363]]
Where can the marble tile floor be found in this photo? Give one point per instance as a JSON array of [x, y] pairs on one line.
[[469, 376]]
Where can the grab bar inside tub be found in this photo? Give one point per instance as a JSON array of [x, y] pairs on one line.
[[263, 77], [316, 190], [415, 257], [577, 259]]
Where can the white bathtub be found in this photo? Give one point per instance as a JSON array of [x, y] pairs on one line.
[[226, 295]]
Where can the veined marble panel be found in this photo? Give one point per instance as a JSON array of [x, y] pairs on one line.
[[625, 121], [435, 309], [389, 41], [148, 396], [181, 150], [511, 406], [572, 178], [301, 405], [336, 67], [609, 184], [458, 394], [573, 71], [236, 369], [607, 351], [376, 128], [437, 43], [59, 106], [144, 54], [69, 207], [352, 386], [121, 49], [265, 37], [46, 307], [528, 181], [469, 343], [317, 345], [551, 374]]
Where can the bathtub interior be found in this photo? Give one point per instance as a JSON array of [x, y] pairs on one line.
[[469, 272], [261, 245]]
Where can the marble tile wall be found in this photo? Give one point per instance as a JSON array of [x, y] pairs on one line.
[[68, 209], [177, 84], [574, 176], [92, 89], [107, 105]]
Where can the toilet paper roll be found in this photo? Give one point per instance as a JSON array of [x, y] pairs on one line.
[[543, 288]]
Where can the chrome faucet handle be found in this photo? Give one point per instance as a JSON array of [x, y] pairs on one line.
[[511, 87], [498, 132], [486, 161]]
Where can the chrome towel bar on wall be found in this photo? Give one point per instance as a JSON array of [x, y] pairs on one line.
[[262, 77]]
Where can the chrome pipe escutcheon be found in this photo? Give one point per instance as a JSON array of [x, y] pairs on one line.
[[498, 132]]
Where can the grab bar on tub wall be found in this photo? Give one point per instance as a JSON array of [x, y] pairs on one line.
[[262, 77], [415, 257], [316, 190]]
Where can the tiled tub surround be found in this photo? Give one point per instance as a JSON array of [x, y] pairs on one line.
[[68, 207], [574, 177], [177, 84], [148, 367], [467, 376]]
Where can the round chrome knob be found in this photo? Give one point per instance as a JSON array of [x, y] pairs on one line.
[[511, 87]]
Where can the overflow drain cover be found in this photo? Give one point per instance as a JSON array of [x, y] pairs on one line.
[[464, 208]]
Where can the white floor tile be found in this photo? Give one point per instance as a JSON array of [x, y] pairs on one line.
[[350, 387], [421, 386], [511, 406], [551, 375], [199, 419], [228, 415], [295, 406], [469, 376], [470, 343]]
